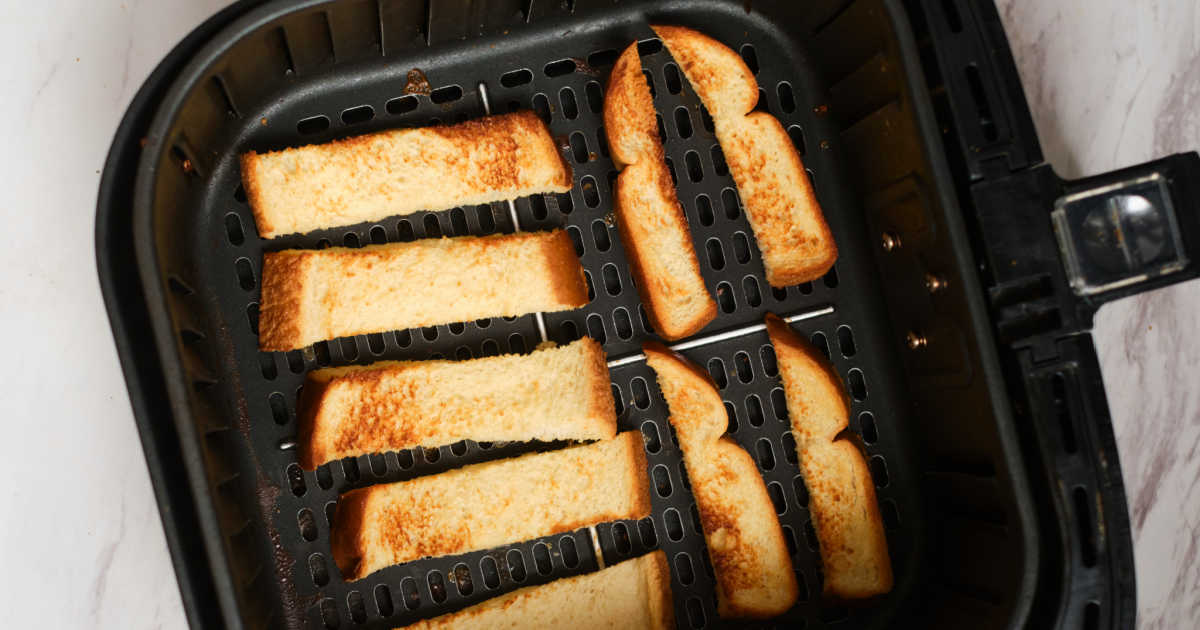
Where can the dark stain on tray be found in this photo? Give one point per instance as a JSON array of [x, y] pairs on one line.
[[417, 83]]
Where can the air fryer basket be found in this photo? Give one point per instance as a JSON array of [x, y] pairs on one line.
[[903, 315]]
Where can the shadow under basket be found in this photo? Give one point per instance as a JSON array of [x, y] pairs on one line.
[[950, 314]]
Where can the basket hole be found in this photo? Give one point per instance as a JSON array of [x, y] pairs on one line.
[[766, 458], [403, 338], [446, 94], [805, 288], [762, 105], [662, 481], [741, 248], [594, 97], [318, 570], [600, 235], [787, 100], [750, 290], [239, 194], [646, 532], [704, 210], [716, 255], [671, 74], [487, 221], [754, 410], [410, 593], [437, 586], [821, 343], [870, 433], [329, 614], [725, 297], [324, 477], [491, 573], [513, 78], [789, 448], [890, 514], [516, 565], [357, 115], [350, 470], [591, 194], [591, 288], [622, 324], [245, 273], [612, 279], [879, 471], [779, 404], [779, 293], [570, 554], [295, 478], [312, 124], [537, 205], [601, 58], [595, 325], [645, 319], [692, 160], [401, 104], [770, 363], [695, 613], [541, 107], [800, 490], [720, 167], [378, 235], [462, 353], [1086, 530], [650, 433], [987, 123], [750, 56], [775, 489], [671, 171], [662, 135], [233, 229], [789, 538], [462, 579], [404, 231], [433, 229], [683, 122], [641, 392], [570, 108], [570, 332], [267, 363], [383, 600], [731, 203], [731, 414], [796, 133], [621, 538], [457, 328], [490, 348], [430, 333], [559, 68], [857, 384], [673, 524], [618, 404], [579, 150], [602, 141], [541, 558], [649, 46], [278, 408], [846, 341], [458, 221], [564, 203], [683, 569], [358, 609], [706, 118], [295, 360], [810, 535], [459, 448], [716, 369], [516, 343], [831, 278], [741, 363]]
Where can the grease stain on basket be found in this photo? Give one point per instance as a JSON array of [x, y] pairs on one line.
[[417, 83]]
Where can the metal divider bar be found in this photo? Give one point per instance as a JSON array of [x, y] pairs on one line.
[[721, 336]]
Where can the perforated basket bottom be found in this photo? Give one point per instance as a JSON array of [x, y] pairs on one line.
[[543, 73]]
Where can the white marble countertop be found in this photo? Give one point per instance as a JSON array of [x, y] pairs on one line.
[[1110, 82]]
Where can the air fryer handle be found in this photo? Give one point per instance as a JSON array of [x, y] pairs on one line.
[[1130, 230]]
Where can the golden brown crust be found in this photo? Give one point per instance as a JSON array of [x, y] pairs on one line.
[[753, 569], [282, 300], [311, 451], [251, 185], [793, 236], [650, 220], [842, 501], [658, 578]]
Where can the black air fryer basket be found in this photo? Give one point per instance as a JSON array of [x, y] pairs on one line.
[[958, 311]]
